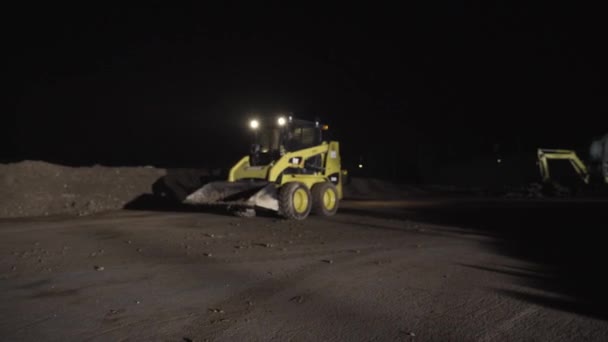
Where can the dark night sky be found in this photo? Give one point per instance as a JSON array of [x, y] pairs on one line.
[[171, 86]]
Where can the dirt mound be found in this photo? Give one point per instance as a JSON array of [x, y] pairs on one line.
[[33, 188], [371, 188]]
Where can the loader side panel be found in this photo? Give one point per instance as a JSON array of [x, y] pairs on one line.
[[294, 159], [308, 180], [243, 170], [333, 166]]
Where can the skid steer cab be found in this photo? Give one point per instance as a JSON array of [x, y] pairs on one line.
[[291, 169]]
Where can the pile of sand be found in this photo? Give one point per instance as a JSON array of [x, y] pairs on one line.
[[33, 188]]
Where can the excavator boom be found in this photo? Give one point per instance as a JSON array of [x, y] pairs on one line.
[[544, 155]]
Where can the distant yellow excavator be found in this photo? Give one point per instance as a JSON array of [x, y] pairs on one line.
[[597, 167], [291, 169]]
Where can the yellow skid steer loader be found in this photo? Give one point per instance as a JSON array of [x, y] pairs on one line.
[[290, 169]]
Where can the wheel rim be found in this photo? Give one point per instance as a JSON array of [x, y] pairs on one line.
[[329, 199], [300, 201]]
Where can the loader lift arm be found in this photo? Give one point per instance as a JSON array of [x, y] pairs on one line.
[[544, 155]]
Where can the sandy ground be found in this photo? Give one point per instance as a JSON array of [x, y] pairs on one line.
[[418, 269]]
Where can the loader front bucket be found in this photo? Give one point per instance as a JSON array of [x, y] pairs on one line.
[[243, 193]]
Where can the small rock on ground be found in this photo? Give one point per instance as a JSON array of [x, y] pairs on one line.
[[297, 299]]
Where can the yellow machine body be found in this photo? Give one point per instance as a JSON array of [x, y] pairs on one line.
[[275, 172], [297, 182]]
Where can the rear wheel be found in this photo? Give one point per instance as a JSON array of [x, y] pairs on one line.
[[295, 201], [324, 199]]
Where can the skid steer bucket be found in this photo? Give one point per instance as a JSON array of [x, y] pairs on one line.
[[243, 193]]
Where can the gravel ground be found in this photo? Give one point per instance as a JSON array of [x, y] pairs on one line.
[[427, 270]]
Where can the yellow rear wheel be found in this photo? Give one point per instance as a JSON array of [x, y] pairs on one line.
[[325, 199], [329, 199]]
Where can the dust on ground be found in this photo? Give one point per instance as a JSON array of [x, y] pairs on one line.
[[413, 267]]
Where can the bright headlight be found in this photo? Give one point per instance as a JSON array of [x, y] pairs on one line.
[[254, 124], [282, 121]]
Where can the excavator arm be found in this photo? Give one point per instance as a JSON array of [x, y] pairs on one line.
[[544, 155]]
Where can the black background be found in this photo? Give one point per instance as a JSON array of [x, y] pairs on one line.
[[407, 90]]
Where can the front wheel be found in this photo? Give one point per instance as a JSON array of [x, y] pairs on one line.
[[295, 201], [324, 199]]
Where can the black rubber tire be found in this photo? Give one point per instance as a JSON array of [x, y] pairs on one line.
[[318, 206], [286, 205]]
